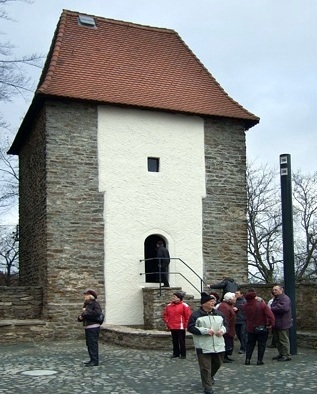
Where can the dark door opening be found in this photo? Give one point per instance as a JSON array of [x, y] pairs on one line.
[[150, 253]]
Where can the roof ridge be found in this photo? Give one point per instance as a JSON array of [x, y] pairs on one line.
[[122, 22]]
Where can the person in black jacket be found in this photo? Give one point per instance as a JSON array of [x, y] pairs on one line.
[[228, 285], [241, 324], [89, 316], [163, 258]]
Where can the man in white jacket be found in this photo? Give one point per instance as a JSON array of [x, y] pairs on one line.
[[207, 325]]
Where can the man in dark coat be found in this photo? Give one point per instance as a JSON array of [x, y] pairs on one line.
[[241, 329], [163, 258], [282, 310], [228, 285]]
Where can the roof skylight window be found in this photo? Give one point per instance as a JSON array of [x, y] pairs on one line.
[[86, 20]]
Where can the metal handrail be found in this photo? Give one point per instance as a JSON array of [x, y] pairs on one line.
[[174, 273]]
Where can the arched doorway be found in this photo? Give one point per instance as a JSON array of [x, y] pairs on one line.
[[151, 264]]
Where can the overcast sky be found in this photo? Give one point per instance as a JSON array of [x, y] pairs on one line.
[[262, 52]]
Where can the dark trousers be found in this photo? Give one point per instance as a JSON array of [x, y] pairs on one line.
[[253, 338], [209, 363], [241, 331], [92, 335], [164, 274], [228, 345], [178, 339]]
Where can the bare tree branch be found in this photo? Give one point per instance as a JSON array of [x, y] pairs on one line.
[[9, 253]]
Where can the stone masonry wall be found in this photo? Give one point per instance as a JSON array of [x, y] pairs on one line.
[[21, 302], [75, 227], [61, 212], [32, 221], [224, 208]]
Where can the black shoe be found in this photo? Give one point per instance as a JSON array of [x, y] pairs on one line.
[[230, 359], [284, 358], [174, 356], [87, 362], [212, 380], [271, 346], [183, 357], [226, 361], [260, 363], [277, 357], [241, 351], [247, 361], [208, 391], [91, 364]]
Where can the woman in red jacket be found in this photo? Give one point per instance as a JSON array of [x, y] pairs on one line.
[[176, 315], [259, 319]]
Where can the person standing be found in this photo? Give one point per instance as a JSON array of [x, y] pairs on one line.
[[228, 285], [241, 329], [272, 345], [282, 310], [89, 316], [259, 319], [229, 311], [163, 258], [176, 315], [207, 325]]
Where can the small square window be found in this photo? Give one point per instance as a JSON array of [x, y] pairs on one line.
[[153, 164]]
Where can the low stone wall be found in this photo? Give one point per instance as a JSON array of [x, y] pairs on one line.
[[14, 331], [138, 338], [307, 339], [306, 315], [21, 302], [21, 314]]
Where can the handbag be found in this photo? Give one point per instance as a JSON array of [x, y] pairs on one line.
[[100, 319], [260, 329]]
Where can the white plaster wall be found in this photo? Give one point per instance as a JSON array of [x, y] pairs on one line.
[[139, 203]]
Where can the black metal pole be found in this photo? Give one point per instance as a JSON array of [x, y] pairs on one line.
[[288, 242]]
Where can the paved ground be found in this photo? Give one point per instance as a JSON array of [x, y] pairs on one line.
[[125, 370]]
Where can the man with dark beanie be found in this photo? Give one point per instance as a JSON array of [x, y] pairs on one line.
[[207, 325]]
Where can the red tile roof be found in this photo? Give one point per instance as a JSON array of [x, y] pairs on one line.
[[124, 63], [128, 64]]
